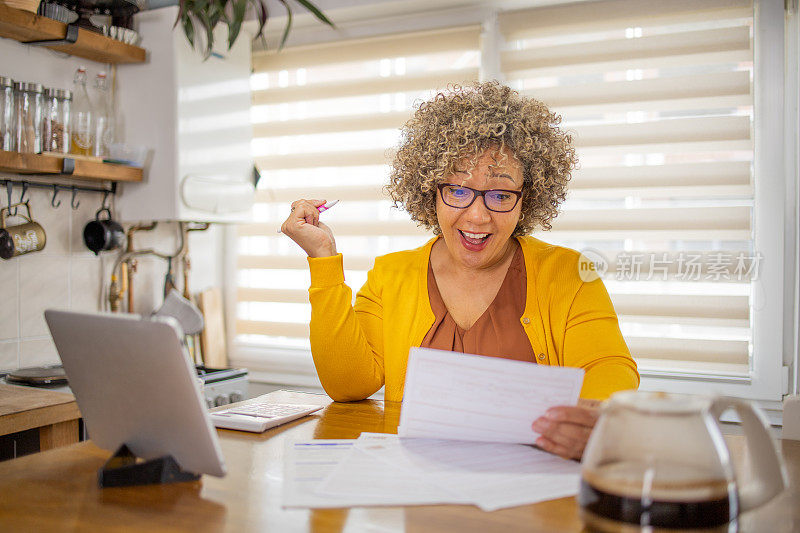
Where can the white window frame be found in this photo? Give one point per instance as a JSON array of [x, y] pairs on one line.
[[773, 319], [792, 158]]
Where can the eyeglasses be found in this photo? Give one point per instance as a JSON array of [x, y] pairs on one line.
[[498, 200]]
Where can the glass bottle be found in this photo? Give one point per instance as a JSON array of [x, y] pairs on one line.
[[104, 116], [55, 133], [6, 114], [28, 116], [82, 138]]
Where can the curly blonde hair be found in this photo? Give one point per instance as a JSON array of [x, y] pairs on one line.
[[464, 121]]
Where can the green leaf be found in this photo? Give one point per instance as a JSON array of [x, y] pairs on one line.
[[213, 15], [288, 24], [239, 9], [205, 22], [317, 13], [263, 15], [227, 11], [209, 13], [199, 6], [188, 29]]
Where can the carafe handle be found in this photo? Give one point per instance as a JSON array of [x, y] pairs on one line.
[[769, 475]]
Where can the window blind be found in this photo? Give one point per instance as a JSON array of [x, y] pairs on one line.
[[659, 99], [325, 119]]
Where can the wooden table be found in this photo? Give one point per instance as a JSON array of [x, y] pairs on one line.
[[55, 414], [57, 491]]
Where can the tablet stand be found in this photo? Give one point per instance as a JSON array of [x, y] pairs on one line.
[[124, 469]]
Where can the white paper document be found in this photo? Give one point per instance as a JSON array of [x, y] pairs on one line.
[[489, 475], [362, 474], [366, 480], [381, 469], [475, 398], [305, 466]]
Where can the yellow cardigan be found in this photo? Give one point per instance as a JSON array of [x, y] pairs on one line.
[[359, 348]]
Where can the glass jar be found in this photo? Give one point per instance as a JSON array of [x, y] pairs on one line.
[[6, 114], [55, 132], [28, 110]]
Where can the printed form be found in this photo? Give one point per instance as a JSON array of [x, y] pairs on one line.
[[487, 399], [366, 479]]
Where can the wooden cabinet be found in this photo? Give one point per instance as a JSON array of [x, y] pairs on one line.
[[54, 414]]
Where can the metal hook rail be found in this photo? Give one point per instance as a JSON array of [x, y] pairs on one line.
[[74, 189]]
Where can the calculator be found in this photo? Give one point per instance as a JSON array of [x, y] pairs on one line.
[[259, 417]]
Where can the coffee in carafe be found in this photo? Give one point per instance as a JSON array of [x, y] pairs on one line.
[[615, 493], [658, 462]]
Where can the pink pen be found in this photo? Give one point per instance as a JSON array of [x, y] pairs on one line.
[[327, 205], [324, 207]]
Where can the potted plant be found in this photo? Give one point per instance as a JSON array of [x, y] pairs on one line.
[[200, 17]]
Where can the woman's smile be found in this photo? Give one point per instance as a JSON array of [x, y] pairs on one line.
[[477, 237], [474, 242]]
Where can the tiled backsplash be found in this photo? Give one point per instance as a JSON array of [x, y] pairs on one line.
[[67, 275], [63, 275]]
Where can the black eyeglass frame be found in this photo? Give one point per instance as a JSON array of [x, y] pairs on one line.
[[475, 194]]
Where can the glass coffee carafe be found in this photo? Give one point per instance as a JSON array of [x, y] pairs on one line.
[[657, 461]]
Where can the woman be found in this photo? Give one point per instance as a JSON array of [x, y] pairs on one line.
[[481, 167]]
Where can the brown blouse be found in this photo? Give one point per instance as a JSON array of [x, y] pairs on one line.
[[497, 332]]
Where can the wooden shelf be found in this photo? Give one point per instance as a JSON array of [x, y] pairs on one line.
[[24, 26], [19, 163]]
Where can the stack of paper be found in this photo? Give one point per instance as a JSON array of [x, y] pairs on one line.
[[467, 415], [380, 469]]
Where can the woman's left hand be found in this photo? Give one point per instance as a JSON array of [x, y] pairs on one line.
[[565, 429]]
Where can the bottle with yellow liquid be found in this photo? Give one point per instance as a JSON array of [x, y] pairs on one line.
[[82, 136]]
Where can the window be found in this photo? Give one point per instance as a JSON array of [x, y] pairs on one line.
[[677, 196], [660, 100]]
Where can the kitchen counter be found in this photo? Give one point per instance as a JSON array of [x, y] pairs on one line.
[[54, 414]]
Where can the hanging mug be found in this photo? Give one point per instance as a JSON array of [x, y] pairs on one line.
[[100, 235], [22, 239]]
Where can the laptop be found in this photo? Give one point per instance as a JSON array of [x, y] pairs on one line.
[[135, 385]]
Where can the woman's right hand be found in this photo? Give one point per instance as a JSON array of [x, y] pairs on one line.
[[304, 227]]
